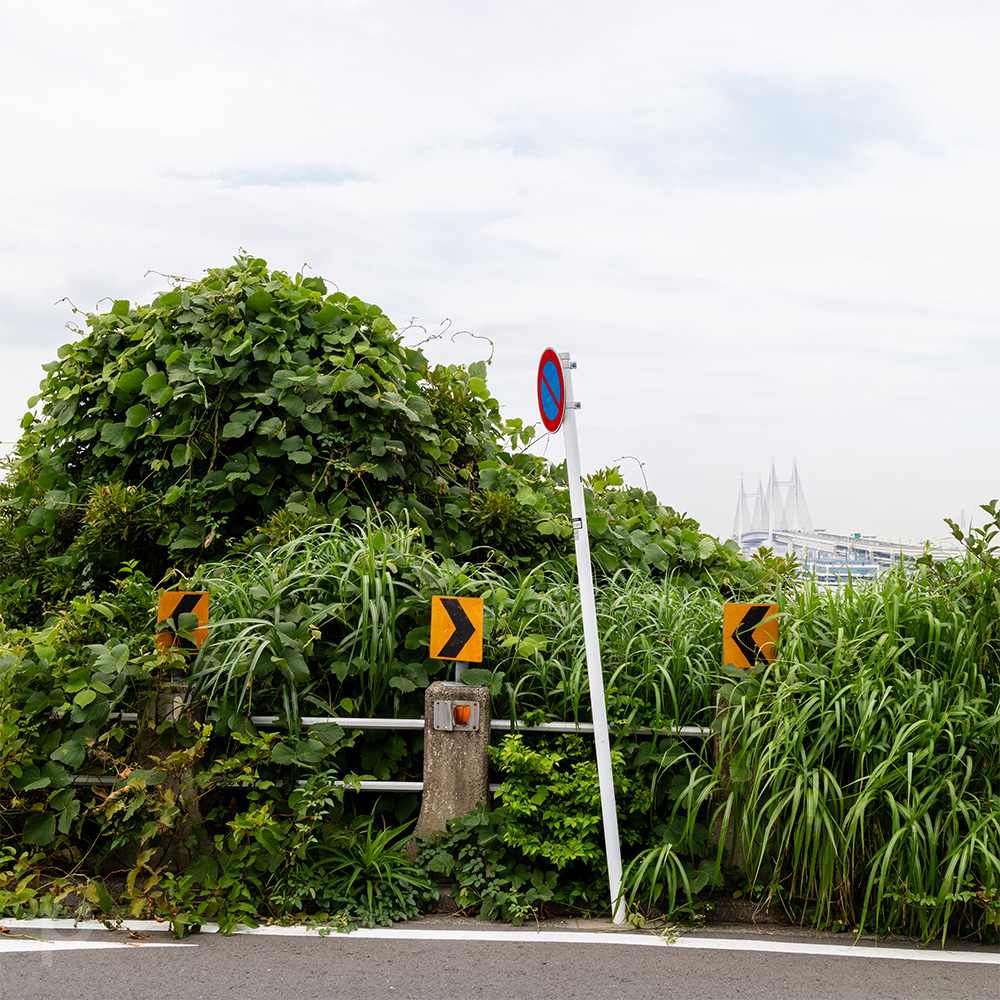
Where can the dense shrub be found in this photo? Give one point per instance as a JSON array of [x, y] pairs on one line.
[[181, 424]]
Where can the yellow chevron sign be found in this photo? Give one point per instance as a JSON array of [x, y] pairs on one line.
[[173, 604], [749, 634], [457, 629]]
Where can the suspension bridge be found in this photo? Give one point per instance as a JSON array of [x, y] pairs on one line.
[[776, 515]]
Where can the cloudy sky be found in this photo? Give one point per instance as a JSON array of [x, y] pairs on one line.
[[762, 227]]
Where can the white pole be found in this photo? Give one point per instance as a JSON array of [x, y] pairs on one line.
[[739, 513], [595, 674], [772, 493]]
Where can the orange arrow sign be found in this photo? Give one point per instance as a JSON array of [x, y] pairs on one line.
[[749, 634], [457, 629], [173, 604]]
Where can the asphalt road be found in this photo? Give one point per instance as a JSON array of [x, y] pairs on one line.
[[451, 958]]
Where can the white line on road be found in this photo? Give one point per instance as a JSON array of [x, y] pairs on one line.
[[10, 944], [479, 933], [754, 944], [841, 950]]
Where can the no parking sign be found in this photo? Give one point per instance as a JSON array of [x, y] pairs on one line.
[[551, 390]]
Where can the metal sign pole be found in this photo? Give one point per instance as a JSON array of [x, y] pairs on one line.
[[595, 673]]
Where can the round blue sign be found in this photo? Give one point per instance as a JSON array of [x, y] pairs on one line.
[[551, 390]]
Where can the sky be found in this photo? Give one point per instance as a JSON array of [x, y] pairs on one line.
[[763, 229]]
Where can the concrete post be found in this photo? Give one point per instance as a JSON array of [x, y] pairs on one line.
[[456, 766], [723, 757], [168, 703]]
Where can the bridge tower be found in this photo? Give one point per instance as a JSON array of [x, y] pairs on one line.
[[780, 506]]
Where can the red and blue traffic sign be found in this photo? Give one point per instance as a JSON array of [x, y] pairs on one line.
[[551, 390]]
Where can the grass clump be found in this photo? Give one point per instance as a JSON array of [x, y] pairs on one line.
[[863, 785]]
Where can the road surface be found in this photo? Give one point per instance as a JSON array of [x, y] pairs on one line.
[[458, 958]]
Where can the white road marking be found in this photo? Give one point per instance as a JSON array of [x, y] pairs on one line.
[[10, 944], [654, 941], [928, 954], [689, 940]]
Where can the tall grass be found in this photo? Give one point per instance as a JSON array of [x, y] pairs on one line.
[[343, 613], [660, 647], [864, 772], [335, 615]]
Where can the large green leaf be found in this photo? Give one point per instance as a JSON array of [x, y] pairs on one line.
[[136, 416], [260, 301], [706, 547], [283, 754], [114, 434], [232, 429], [328, 733], [130, 382], [71, 753], [39, 828]]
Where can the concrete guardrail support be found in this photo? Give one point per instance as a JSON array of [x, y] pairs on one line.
[[456, 767]]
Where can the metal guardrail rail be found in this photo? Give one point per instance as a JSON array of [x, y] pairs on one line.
[[352, 722], [497, 725]]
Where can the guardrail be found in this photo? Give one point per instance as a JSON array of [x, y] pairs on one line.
[[496, 725], [351, 722]]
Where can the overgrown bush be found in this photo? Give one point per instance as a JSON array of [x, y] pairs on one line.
[[864, 779], [252, 435], [168, 430], [222, 401]]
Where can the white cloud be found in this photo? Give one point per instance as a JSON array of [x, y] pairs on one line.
[[761, 228]]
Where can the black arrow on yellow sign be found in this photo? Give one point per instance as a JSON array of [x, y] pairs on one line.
[[457, 628], [749, 634], [464, 629], [173, 604], [743, 636]]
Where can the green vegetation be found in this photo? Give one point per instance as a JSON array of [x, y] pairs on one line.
[[253, 436], [168, 428], [865, 762]]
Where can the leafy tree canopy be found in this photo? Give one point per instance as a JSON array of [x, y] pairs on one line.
[[226, 399]]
